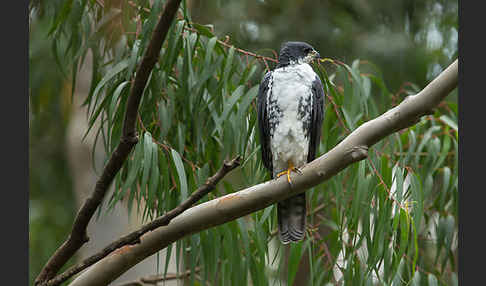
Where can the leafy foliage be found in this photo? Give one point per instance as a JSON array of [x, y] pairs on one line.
[[389, 219]]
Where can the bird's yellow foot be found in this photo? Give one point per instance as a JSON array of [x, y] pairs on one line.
[[287, 172]]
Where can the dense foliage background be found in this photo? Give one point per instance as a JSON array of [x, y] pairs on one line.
[[389, 219]]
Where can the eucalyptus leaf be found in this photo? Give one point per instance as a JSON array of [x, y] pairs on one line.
[[181, 173]]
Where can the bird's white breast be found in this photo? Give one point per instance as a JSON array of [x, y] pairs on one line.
[[288, 140]]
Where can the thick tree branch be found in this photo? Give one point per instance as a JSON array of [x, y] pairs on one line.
[[78, 235], [134, 237], [227, 208]]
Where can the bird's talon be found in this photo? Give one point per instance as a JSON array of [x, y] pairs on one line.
[[298, 171], [281, 174]]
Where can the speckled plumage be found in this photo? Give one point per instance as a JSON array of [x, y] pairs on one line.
[[289, 106], [290, 113]]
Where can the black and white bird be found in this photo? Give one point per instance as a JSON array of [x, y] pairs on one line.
[[290, 114]]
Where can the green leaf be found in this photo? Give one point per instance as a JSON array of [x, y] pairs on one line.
[[114, 98], [61, 16], [174, 45], [417, 199], [165, 118], [154, 178], [181, 138], [294, 261], [112, 73], [454, 280], [266, 214], [447, 120], [366, 86], [167, 258], [243, 230], [208, 73], [209, 51], [228, 105], [147, 159], [311, 262], [348, 119], [149, 24], [248, 73], [203, 30], [425, 140], [416, 279], [446, 179], [228, 64], [119, 67], [432, 280], [404, 232], [181, 173], [415, 244], [135, 166], [246, 101], [398, 183], [133, 59], [444, 152], [449, 226]]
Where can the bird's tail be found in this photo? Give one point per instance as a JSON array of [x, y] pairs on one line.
[[291, 215]]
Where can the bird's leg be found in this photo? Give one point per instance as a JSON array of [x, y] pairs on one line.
[[285, 172], [290, 168]]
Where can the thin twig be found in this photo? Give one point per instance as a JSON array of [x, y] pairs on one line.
[[154, 279], [132, 283], [226, 44], [340, 119], [78, 236], [134, 237]]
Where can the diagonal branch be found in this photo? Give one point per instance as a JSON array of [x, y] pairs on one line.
[[134, 237], [78, 236], [227, 208]]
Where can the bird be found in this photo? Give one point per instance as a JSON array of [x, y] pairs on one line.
[[290, 107]]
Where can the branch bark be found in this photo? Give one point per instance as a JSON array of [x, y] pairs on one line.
[[227, 208], [78, 236]]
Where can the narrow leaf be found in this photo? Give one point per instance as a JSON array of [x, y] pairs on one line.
[[181, 173]]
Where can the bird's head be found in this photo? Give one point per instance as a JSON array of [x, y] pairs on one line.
[[296, 53]]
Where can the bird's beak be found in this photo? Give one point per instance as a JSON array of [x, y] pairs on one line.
[[315, 56]]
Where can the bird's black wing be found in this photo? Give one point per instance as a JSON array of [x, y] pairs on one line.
[[263, 121], [317, 117]]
